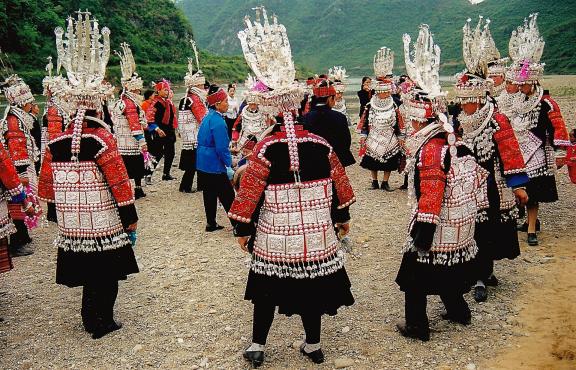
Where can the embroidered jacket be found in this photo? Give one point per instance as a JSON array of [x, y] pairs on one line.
[[294, 214], [129, 121], [491, 138], [10, 188], [93, 196], [162, 113], [446, 192], [191, 112]]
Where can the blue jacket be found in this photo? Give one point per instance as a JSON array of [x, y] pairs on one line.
[[213, 154]]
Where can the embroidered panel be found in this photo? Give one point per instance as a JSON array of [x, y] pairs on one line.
[[85, 206]]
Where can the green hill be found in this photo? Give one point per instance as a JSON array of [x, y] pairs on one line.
[[348, 32], [157, 31]]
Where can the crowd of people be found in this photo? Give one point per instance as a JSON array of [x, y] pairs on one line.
[[276, 162]]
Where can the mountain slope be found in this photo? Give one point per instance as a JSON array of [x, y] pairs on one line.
[[157, 31], [348, 32]]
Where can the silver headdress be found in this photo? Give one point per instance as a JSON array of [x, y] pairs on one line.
[[337, 74], [526, 47], [194, 78], [251, 93], [267, 51], [423, 64], [17, 92], [477, 51], [130, 80], [427, 100], [496, 64], [53, 85], [84, 55], [383, 62]]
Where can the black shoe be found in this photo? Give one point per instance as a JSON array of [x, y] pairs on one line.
[[524, 226], [256, 358], [210, 228], [491, 281], [187, 191], [167, 177], [316, 357], [480, 293], [21, 250], [457, 319], [385, 186], [139, 193], [415, 332], [375, 185], [532, 239], [105, 329]]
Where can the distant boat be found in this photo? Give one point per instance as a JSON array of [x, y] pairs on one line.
[[474, 2]]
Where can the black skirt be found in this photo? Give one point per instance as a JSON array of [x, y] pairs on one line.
[[81, 268], [321, 295], [497, 239], [372, 164], [187, 160], [542, 189], [134, 165], [430, 279]]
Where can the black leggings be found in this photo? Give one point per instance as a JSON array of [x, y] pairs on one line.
[[98, 301], [264, 316], [415, 308], [187, 180]]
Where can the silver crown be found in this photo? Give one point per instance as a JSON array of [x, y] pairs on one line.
[[194, 78], [526, 47], [423, 63], [338, 73], [383, 62], [267, 51], [130, 79], [83, 50], [475, 47], [526, 44]]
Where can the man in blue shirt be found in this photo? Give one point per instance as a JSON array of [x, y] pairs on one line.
[[213, 159]]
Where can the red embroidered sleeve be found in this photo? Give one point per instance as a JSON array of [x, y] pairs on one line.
[[508, 147], [344, 190], [251, 188], [199, 110], [151, 112], [560, 133], [16, 142], [133, 117], [8, 175], [236, 128], [46, 181], [432, 181], [55, 122], [114, 170]]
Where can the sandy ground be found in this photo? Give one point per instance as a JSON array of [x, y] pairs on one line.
[[185, 308]]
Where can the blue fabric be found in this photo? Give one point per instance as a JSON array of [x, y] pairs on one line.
[[152, 127], [19, 198], [516, 180], [213, 154], [139, 137]]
